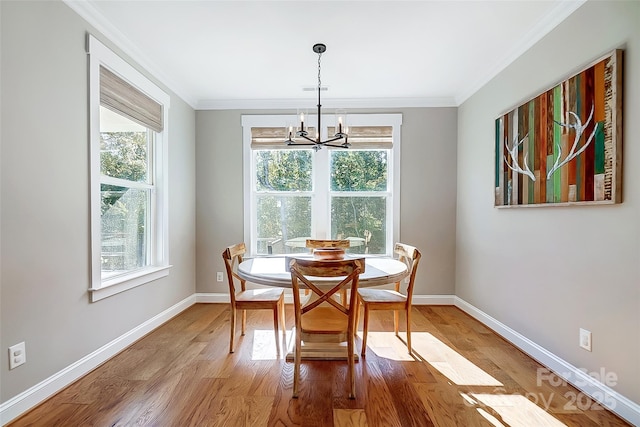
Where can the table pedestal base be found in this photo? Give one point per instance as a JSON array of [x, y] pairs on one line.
[[319, 351]]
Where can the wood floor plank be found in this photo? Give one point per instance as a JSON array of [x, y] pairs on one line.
[[349, 418], [181, 374]]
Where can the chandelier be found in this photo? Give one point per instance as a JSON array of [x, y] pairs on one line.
[[341, 126]]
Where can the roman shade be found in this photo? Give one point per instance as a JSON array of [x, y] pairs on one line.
[[120, 96], [360, 137]]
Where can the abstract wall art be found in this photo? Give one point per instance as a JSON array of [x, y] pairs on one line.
[[564, 146]]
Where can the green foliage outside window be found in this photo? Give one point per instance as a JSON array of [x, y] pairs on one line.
[[283, 215], [124, 210]]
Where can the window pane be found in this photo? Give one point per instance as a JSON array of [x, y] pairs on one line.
[[283, 170], [124, 222], [363, 217], [353, 170], [123, 147], [281, 219]]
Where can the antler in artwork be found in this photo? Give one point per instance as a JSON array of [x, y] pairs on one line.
[[579, 127], [513, 153]]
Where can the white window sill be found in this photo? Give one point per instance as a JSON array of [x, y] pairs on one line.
[[119, 284]]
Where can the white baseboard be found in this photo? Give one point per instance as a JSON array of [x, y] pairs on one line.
[[213, 298], [28, 399], [433, 300], [288, 299], [609, 398]]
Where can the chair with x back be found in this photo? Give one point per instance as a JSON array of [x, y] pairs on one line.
[[250, 299], [384, 299], [323, 318]]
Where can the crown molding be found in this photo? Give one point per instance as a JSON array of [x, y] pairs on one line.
[[274, 104], [97, 20], [551, 20]]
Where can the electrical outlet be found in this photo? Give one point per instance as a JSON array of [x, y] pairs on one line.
[[219, 276], [17, 355], [585, 339]]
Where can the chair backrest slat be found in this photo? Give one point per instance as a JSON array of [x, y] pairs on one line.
[[410, 255], [232, 257]]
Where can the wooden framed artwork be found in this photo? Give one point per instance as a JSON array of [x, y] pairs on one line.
[[564, 146]]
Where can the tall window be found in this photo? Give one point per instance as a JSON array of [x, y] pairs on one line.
[[128, 175], [294, 193]]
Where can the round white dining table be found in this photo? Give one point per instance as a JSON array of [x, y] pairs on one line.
[[271, 271]]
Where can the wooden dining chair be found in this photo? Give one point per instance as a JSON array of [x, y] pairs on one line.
[[385, 299], [323, 318], [250, 299]]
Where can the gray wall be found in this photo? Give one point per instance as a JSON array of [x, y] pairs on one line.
[[45, 201], [427, 204], [548, 271]]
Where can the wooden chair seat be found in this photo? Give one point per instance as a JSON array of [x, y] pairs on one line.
[[383, 296], [257, 296]]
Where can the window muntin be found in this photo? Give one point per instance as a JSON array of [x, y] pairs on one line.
[[351, 196], [129, 204]]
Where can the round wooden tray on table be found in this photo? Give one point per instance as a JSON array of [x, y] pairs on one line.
[[328, 253]]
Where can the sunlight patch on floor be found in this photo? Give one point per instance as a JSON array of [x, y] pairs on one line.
[[387, 345], [264, 344], [513, 410], [449, 362]]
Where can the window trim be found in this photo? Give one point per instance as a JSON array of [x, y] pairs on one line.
[[393, 119], [100, 55]]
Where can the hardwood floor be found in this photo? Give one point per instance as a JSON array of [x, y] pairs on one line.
[[181, 374]]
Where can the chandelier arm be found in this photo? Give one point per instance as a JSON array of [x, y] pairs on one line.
[[301, 143], [332, 139], [309, 139]]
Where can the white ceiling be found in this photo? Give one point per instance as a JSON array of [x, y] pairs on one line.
[[258, 54]]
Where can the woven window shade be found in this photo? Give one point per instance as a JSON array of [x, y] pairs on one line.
[[377, 137], [123, 98], [360, 137]]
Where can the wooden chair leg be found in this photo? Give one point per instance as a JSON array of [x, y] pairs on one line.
[[365, 329], [276, 329], [396, 320], [409, 329], [296, 368], [357, 319], [233, 328], [282, 319], [244, 322], [350, 367]]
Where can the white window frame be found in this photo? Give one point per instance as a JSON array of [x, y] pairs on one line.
[[100, 55], [321, 160]]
